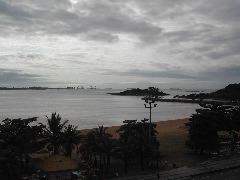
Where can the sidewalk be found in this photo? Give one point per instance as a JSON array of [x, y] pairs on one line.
[[182, 173]]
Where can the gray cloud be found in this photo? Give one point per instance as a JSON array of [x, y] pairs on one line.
[[220, 10], [102, 36], [229, 73], [17, 77], [152, 74], [21, 56], [13, 11], [31, 17], [211, 41], [175, 36], [223, 52]]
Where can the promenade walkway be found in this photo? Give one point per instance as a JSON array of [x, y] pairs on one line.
[[207, 167]]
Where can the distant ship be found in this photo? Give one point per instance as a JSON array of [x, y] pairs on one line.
[[69, 87], [82, 87], [91, 87]]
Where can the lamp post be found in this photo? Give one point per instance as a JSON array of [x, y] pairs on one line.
[[150, 103]]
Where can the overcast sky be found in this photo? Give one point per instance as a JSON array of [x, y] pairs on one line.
[[120, 43]]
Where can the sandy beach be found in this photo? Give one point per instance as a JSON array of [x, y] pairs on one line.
[[172, 135], [164, 128]]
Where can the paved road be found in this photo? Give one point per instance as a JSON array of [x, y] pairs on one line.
[[219, 169], [232, 174]]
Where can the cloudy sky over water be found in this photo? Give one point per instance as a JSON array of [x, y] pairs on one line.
[[120, 43]]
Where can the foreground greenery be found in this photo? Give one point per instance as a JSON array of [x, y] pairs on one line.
[[19, 138], [213, 125], [22, 137]]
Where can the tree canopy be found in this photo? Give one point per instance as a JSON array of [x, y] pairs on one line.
[[19, 138], [207, 122]]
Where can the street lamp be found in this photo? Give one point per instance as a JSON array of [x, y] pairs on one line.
[[150, 103]]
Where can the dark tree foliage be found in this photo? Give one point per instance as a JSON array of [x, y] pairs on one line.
[[54, 132], [235, 118], [208, 121], [202, 134], [153, 93], [136, 142], [71, 137], [97, 149], [19, 138]]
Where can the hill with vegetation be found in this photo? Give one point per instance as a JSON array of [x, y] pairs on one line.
[[230, 92]]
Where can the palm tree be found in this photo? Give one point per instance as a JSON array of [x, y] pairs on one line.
[[105, 147], [97, 149], [71, 138], [54, 131]]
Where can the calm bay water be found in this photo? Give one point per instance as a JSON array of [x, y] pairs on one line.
[[86, 108]]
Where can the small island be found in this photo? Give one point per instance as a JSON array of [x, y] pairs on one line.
[[140, 92]]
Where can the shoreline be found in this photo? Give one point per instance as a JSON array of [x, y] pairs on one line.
[[164, 127]]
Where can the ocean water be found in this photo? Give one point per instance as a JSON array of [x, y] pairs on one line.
[[87, 108]]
